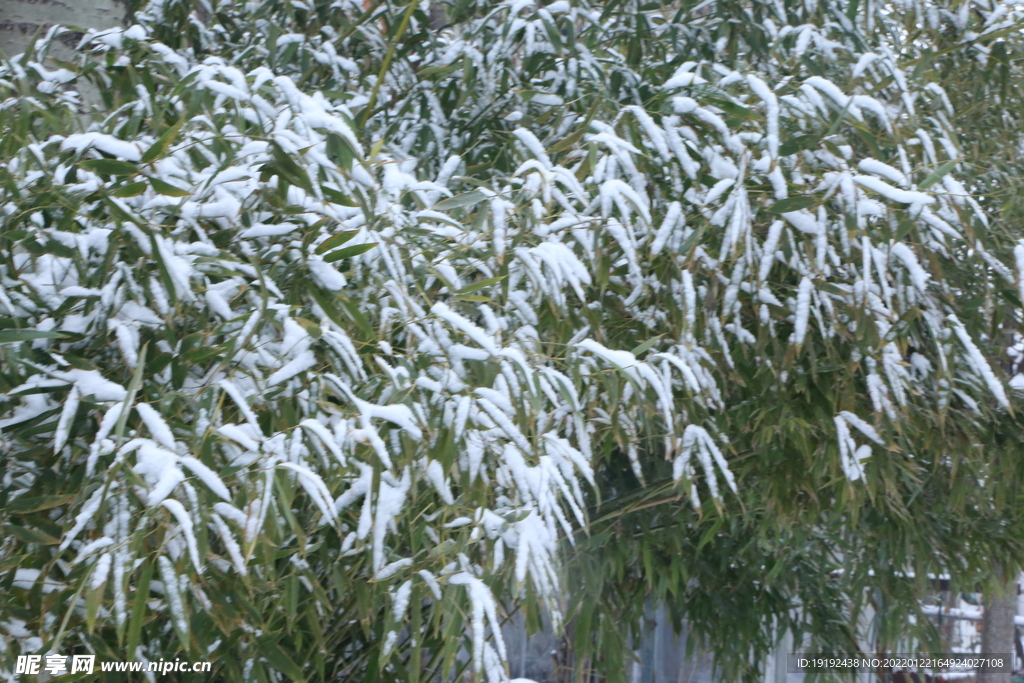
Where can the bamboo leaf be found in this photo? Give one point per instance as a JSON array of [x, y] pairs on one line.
[[130, 190], [280, 660], [348, 252], [30, 535], [162, 143], [646, 345], [287, 168], [24, 505], [791, 204], [341, 151], [129, 399], [936, 175], [13, 336], [109, 166], [438, 70], [203, 353], [480, 284], [460, 200], [337, 197], [167, 189], [799, 143], [336, 241]]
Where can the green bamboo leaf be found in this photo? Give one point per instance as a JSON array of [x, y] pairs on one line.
[[30, 535], [203, 353], [184, 83], [459, 200], [129, 399], [159, 362], [799, 143], [734, 109], [93, 600], [936, 175], [54, 247], [337, 197], [348, 252], [327, 305], [163, 142], [710, 533], [480, 284], [646, 345], [280, 660], [165, 188], [568, 142], [357, 316], [553, 36], [287, 168], [118, 210], [336, 240], [341, 151], [583, 625], [791, 204], [69, 609], [904, 229], [130, 190], [25, 505], [13, 336], [311, 328], [139, 607], [438, 70], [109, 166]]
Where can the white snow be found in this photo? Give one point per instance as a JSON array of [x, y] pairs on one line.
[[803, 309], [483, 605], [917, 274], [208, 476], [156, 425], [185, 524], [893, 193], [978, 362], [882, 169], [172, 593], [771, 104], [104, 143], [348, 379]]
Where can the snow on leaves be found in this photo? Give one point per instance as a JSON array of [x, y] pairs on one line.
[[301, 319]]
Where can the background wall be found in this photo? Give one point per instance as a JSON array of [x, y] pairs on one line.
[[21, 19], [662, 654]]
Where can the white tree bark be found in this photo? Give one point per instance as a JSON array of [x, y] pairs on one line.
[[1018, 646], [997, 627]]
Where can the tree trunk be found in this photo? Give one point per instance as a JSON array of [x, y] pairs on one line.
[[1018, 648], [21, 20], [998, 631], [563, 659]]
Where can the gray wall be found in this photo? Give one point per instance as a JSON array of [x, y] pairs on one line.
[[21, 19], [661, 652]]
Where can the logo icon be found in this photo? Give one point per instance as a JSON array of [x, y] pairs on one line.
[[56, 664]]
